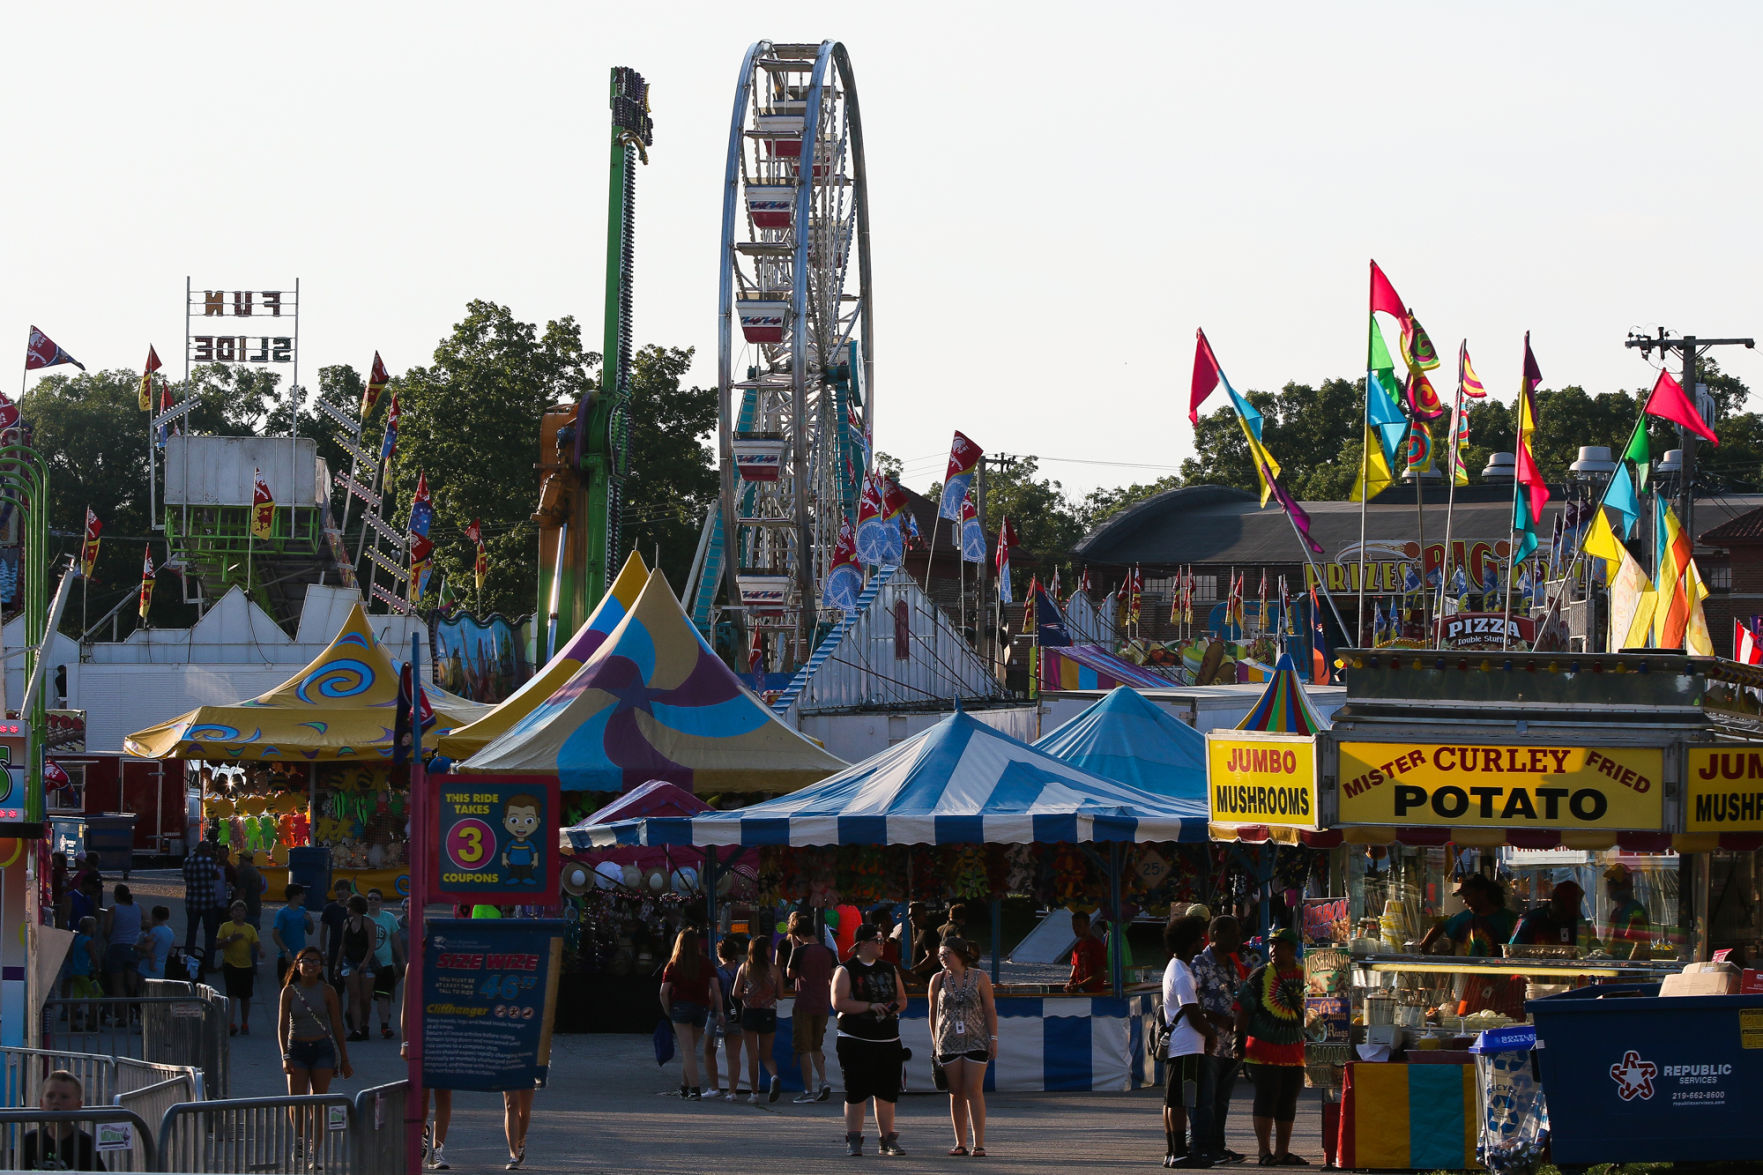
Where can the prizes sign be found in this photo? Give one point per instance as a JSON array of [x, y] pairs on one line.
[[489, 990], [1502, 786], [496, 839], [1723, 790], [1265, 779]]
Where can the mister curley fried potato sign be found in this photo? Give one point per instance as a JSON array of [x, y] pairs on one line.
[[1480, 785]]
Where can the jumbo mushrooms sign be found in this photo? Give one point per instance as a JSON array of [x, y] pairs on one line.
[[1256, 780]]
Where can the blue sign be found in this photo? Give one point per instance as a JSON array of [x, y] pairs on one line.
[[497, 839], [489, 988]]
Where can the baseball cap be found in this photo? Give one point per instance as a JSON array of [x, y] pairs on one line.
[[1284, 934], [866, 931]]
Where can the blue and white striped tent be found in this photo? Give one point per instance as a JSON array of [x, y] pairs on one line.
[[960, 782], [1127, 737]]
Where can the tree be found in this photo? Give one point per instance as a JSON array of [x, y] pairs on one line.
[[673, 478], [471, 422], [1103, 503]]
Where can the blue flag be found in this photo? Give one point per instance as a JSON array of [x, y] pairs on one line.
[[1622, 499]]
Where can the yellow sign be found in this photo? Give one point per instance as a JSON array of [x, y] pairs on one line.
[[1751, 1028], [1264, 779], [1529, 786], [1723, 790]]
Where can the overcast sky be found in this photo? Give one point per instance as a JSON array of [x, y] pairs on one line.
[[1060, 193]]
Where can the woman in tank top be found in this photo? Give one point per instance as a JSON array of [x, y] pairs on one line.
[[964, 1034], [308, 1025], [757, 983]]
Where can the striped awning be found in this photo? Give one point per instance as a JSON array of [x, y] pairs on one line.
[[1284, 708], [960, 782]]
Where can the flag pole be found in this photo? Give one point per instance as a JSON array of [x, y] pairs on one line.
[[1321, 579], [1365, 450], [930, 555], [1451, 497], [1517, 492], [1420, 521]]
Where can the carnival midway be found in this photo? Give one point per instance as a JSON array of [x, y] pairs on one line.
[[1418, 830]]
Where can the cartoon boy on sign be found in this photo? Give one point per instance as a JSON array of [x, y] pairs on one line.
[[520, 816]]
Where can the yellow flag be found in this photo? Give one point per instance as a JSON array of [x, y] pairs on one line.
[[1696, 638], [1631, 605], [1601, 541], [1374, 472], [1264, 462], [1642, 626]]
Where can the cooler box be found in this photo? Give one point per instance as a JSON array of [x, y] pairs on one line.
[[310, 866], [1632, 1077], [112, 835]]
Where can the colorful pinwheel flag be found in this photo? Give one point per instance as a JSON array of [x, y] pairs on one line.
[[964, 457], [41, 351]]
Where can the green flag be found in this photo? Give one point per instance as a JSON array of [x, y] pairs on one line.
[[1640, 453]]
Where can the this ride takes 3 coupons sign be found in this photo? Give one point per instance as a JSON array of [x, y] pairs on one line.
[[496, 839]]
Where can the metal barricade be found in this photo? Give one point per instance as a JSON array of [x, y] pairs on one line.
[[260, 1134], [150, 1102], [22, 1070], [104, 1025], [377, 1132], [190, 1030], [132, 1074], [34, 1139]]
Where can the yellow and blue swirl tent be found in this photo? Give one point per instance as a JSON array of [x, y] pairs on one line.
[[469, 740], [341, 708], [655, 702]]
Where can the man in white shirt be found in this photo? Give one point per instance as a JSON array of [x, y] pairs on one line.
[[1190, 1037]]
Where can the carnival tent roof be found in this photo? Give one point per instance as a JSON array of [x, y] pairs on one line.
[[1284, 708], [468, 740], [1126, 737], [342, 707], [960, 782], [655, 702]]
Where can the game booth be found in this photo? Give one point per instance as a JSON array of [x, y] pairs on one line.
[[312, 764]]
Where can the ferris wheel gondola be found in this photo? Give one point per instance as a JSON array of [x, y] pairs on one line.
[[795, 367]]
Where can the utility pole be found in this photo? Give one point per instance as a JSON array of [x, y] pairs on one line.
[[987, 604], [1689, 348], [1692, 868]]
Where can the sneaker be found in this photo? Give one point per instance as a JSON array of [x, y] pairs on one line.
[[386, 1032], [513, 1163], [712, 1092], [697, 1095], [853, 1144], [438, 1160], [890, 1145], [805, 1098], [753, 1098], [1192, 1162], [729, 1096], [777, 1088], [1229, 1156], [826, 1091]]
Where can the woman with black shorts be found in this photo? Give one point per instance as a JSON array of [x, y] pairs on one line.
[[355, 964], [868, 995], [756, 985], [309, 1026], [1270, 1025], [964, 1033]]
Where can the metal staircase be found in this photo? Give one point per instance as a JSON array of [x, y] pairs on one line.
[[830, 645]]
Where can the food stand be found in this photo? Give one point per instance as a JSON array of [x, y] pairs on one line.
[[1522, 769]]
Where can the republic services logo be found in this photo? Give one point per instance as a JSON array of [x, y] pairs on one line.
[[1633, 1076]]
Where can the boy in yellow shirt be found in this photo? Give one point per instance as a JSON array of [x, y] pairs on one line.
[[239, 947]]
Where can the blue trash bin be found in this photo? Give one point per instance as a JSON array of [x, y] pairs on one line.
[[1632, 1077], [310, 866]]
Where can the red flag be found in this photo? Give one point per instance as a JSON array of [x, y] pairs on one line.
[[262, 507], [147, 578], [376, 383], [475, 532], [1383, 295], [756, 654], [145, 395], [9, 414], [89, 548], [1669, 402], [1745, 648], [1206, 375], [41, 351]]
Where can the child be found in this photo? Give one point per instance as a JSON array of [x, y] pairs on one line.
[[84, 963], [155, 945], [293, 922], [239, 948], [728, 957]]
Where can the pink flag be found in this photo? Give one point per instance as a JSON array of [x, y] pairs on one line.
[[1205, 375], [1669, 402], [1383, 295]]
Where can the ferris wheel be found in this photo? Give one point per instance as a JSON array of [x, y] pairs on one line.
[[795, 366]]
